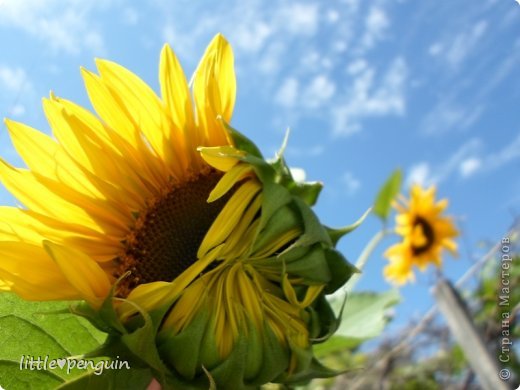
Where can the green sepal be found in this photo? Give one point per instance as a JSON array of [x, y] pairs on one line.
[[182, 350], [340, 269], [336, 234], [282, 220], [241, 141], [307, 191], [313, 230], [274, 197], [314, 370], [275, 358], [232, 370], [105, 318], [307, 368], [329, 322], [312, 266]]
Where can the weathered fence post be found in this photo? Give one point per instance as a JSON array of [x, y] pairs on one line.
[[461, 325]]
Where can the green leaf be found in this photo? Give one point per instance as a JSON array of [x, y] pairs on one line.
[[111, 379], [12, 378], [388, 192], [366, 313], [34, 329], [336, 344]]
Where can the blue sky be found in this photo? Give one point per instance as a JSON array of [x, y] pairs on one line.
[[365, 86]]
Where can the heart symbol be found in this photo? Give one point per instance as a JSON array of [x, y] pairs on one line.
[[61, 362]]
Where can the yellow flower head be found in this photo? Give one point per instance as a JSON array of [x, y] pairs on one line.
[[425, 234], [160, 213]]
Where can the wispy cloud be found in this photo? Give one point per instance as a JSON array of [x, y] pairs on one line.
[[370, 97], [467, 161], [454, 50], [130, 16], [309, 151], [14, 79], [351, 183], [62, 25], [450, 115], [469, 66], [14, 84], [469, 166], [376, 24], [287, 94], [425, 173]]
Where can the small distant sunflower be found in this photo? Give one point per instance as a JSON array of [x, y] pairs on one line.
[[425, 232], [158, 211]]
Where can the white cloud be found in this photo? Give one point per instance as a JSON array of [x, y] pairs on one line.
[[318, 92], [507, 154], [460, 162], [288, 93], [300, 18], [467, 161], [357, 66], [419, 174], [435, 49], [457, 47], [17, 110], [130, 16], [464, 43], [312, 151], [252, 37], [448, 115], [14, 79], [376, 24], [298, 174], [271, 59], [469, 166], [351, 184], [63, 25], [94, 41], [332, 16], [368, 98]]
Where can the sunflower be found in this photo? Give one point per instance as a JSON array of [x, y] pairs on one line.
[[425, 232], [159, 215]]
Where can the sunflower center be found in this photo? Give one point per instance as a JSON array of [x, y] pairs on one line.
[[168, 234], [428, 234]]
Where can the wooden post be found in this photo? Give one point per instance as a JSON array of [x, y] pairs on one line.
[[461, 325]]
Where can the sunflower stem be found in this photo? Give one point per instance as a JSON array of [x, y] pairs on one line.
[[365, 255]]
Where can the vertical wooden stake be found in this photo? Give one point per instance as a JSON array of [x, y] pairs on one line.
[[461, 325]]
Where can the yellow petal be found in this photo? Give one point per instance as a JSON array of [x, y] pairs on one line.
[[235, 174], [110, 159], [23, 185], [27, 270], [229, 217], [176, 96], [145, 110], [214, 89], [222, 158], [117, 118], [83, 273]]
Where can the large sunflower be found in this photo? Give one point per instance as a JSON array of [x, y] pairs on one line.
[[159, 211], [425, 232]]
